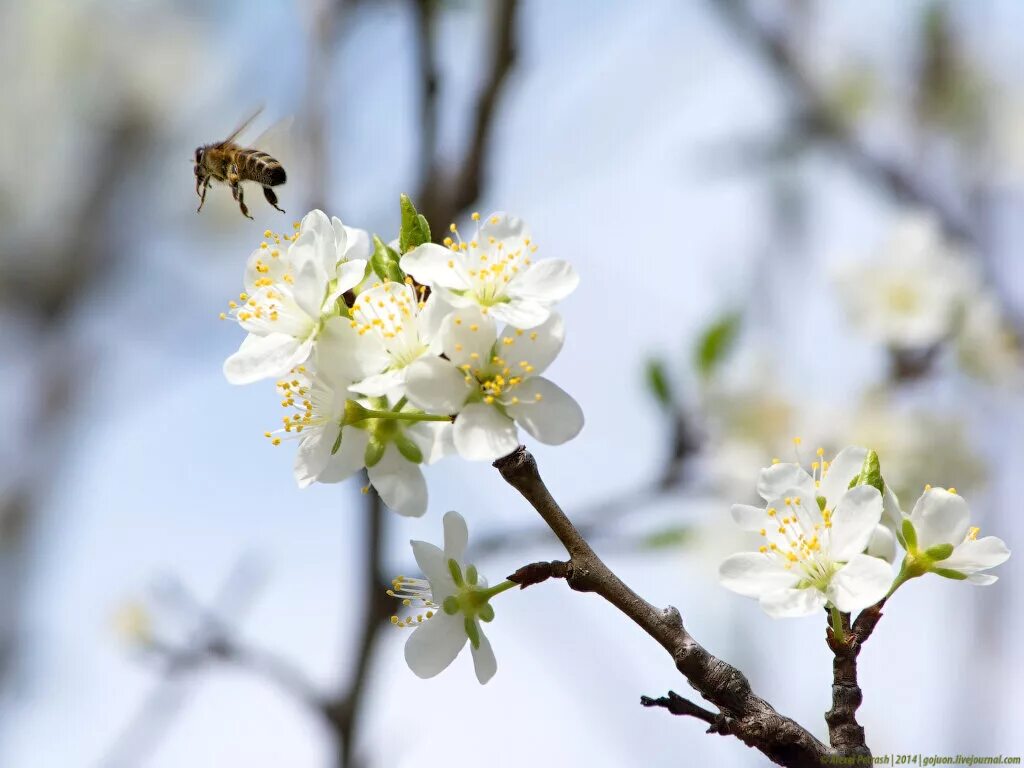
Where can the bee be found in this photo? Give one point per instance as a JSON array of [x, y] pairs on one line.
[[232, 164]]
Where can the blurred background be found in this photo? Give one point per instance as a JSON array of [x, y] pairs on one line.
[[790, 219]]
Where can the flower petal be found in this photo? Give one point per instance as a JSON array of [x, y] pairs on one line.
[[483, 434], [432, 265], [841, 470], [343, 356], [434, 644], [546, 411], [358, 245], [853, 521], [433, 438], [502, 226], [314, 453], [537, 348], [429, 321], [749, 518], [861, 582], [776, 480], [456, 535], [520, 313], [436, 386], [753, 574], [265, 357], [789, 603], [468, 337], [434, 565], [940, 517], [545, 282], [310, 278], [982, 579], [389, 384], [350, 457], [350, 274], [400, 483], [882, 543], [977, 555], [483, 658]]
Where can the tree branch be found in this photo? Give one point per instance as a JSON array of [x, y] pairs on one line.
[[743, 714]]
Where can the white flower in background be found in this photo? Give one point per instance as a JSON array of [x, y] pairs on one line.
[[339, 436], [494, 270], [455, 598], [910, 295], [986, 344], [289, 292], [494, 383], [942, 540], [398, 328], [815, 531]]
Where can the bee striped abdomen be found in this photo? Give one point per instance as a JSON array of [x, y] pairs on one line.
[[260, 167]]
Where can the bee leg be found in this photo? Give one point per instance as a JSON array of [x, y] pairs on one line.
[[236, 192], [271, 198], [202, 195]]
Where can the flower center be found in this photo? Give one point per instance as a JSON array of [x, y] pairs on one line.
[[412, 592], [486, 265], [390, 312], [308, 406]]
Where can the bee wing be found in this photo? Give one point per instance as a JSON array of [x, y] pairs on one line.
[[276, 141], [244, 124]]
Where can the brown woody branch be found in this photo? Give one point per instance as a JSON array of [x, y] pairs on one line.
[[742, 713]]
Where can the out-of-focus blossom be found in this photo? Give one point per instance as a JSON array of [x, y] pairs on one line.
[[815, 529], [986, 344], [494, 384], [455, 598], [494, 271], [290, 291]]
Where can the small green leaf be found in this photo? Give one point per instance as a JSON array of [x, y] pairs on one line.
[[471, 574], [451, 605], [667, 538], [716, 342], [657, 381], [337, 442], [374, 452], [455, 571], [486, 612], [870, 473], [909, 534], [472, 631], [948, 573], [385, 262], [415, 229], [408, 448], [939, 552]]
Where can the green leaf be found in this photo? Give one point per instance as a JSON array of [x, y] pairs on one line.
[[415, 229], [947, 573], [657, 381], [870, 473], [385, 262], [374, 452], [668, 538], [939, 552], [909, 534], [716, 342], [408, 448]]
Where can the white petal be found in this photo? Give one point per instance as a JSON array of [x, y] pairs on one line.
[[400, 483], [853, 521], [483, 434], [350, 274], [358, 244], [753, 574], [434, 566], [468, 337], [429, 320], [940, 517], [520, 313], [456, 535], [882, 544], [775, 480], [789, 603], [483, 658], [264, 357], [502, 226], [545, 282], [433, 438], [388, 384], [430, 265], [977, 555], [553, 419], [843, 468], [982, 579], [350, 457], [538, 348], [861, 582], [892, 514], [314, 453], [343, 356], [436, 386], [310, 280], [749, 518], [317, 222], [435, 644]]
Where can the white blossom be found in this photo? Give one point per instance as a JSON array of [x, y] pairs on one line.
[[455, 600], [494, 270], [494, 384], [290, 291]]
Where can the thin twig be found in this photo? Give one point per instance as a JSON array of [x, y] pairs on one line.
[[744, 715]]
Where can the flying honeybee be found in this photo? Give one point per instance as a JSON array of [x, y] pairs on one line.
[[232, 164]]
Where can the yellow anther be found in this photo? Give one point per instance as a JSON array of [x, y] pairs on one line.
[[276, 441], [953, 491], [475, 216]]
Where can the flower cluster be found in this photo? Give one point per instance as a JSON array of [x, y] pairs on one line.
[[386, 360], [828, 538]]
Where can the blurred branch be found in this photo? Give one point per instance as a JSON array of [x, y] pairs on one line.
[[442, 196], [816, 120], [742, 713]]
